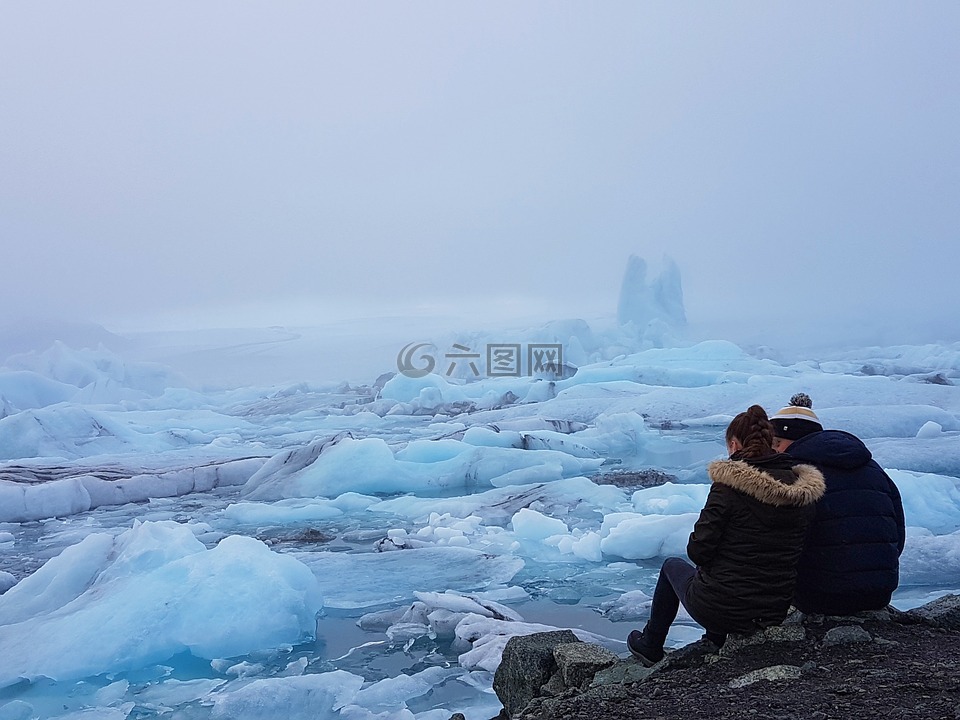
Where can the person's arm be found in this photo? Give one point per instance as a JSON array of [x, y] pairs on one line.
[[708, 530]]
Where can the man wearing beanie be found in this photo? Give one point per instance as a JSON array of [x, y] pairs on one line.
[[851, 558]]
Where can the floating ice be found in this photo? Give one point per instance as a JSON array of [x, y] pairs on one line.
[[632, 605], [61, 432], [393, 693], [26, 499], [434, 614], [369, 465], [927, 558], [403, 388], [307, 697], [113, 604], [297, 510], [903, 420], [486, 637], [635, 537], [929, 501], [24, 390], [532, 525], [395, 577], [670, 499], [99, 369], [939, 455]]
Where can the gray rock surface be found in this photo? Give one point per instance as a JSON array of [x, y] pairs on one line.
[[527, 665], [578, 662], [624, 672], [846, 635], [943, 612], [777, 633], [773, 672]]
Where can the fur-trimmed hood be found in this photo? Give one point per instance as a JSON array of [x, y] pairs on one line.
[[806, 490]]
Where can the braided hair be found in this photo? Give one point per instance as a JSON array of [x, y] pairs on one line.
[[754, 431]]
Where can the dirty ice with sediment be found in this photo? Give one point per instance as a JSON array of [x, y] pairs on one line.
[[176, 548]]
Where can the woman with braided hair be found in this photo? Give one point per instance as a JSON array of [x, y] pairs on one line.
[[745, 544]]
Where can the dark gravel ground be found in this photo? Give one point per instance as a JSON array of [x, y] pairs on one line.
[[904, 671]]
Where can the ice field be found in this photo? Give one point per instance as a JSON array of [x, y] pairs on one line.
[[364, 550]]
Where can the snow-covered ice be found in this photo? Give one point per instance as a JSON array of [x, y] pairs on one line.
[[366, 550]]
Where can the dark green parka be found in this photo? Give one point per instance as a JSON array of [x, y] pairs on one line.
[[748, 539]]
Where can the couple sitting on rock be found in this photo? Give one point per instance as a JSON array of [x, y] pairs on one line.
[[798, 515]]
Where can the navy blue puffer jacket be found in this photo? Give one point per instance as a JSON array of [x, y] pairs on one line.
[[851, 558]]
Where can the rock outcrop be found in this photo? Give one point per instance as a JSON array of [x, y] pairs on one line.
[[528, 665], [942, 613], [546, 665], [879, 664]]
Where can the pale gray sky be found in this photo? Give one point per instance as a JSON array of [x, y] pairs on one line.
[[224, 159]]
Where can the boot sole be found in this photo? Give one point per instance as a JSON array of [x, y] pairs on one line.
[[647, 662]]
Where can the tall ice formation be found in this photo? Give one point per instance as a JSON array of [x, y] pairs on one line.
[[659, 301]]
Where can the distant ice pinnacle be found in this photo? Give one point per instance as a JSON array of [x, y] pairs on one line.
[[642, 303]]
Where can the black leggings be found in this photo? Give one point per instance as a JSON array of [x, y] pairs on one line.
[[675, 577]]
